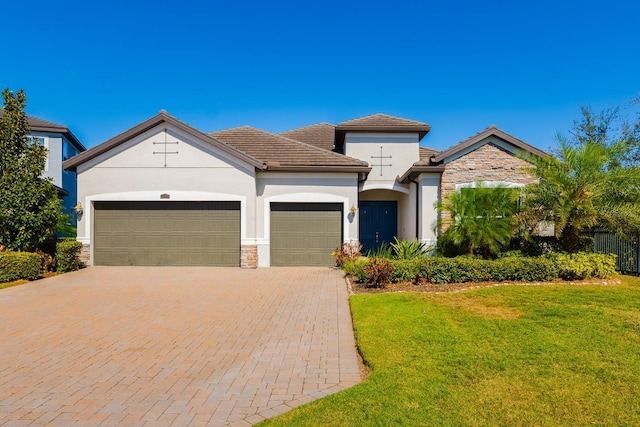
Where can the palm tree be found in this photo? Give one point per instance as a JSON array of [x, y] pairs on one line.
[[587, 185], [480, 218]]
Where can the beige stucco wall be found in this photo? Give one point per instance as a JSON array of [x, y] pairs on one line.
[[198, 172], [274, 187], [401, 150], [429, 193]]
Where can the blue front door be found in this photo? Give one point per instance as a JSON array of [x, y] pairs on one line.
[[378, 223]]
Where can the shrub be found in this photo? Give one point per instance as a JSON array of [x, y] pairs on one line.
[[469, 269], [68, 255], [408, 249], [347, 252], [383, 251], [19, 265], [582, 265], [379, 271], [355, 267]]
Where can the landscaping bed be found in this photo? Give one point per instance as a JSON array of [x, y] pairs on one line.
[[354, 287]]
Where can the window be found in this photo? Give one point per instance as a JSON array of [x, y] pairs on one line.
[[42, 140]]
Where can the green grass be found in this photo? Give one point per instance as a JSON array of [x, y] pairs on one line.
[[510, 356]]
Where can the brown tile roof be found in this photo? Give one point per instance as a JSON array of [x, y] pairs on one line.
[[486, 133], [39, 125], [378, 123], [281, 153], [321, 135], [427, 153], [382, 120]]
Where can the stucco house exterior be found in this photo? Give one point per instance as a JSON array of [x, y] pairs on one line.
[[165, 193], [61, 145]]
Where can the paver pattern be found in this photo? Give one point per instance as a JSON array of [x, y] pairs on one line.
[[133, 346]]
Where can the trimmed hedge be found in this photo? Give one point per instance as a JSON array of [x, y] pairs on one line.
[[521, 269], [68, 255], [19, 265], [584, 265]]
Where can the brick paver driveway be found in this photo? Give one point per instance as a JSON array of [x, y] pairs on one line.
[[172, 346]]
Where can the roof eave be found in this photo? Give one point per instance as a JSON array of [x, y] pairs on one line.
[[415, 171], [323, 168], [484, 135], [154, 121]]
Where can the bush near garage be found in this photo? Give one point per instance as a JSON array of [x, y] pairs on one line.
[[19, 265], [68, 255], [469, 269]]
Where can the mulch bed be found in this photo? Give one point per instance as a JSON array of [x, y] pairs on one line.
[[355, 287]]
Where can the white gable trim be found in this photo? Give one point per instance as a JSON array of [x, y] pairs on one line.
[[489, 140], [489, 184], [175, 133]]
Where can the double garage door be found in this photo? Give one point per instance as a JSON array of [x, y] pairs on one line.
[[208, 233], [167, 233]]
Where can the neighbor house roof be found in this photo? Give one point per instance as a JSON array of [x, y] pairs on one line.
[[40, 125], [484, 134], [282, 153], [321, 135], [162, 117]]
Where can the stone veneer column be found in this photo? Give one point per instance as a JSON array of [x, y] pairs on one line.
[[85, 255], [249, 256]]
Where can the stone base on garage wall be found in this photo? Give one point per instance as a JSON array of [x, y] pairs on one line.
[[249, 256], [85, 255]]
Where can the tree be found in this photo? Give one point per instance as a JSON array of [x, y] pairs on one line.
[[29, 206], [592, 182], [479, 218]]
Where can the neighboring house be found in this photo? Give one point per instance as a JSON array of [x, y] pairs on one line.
[[61, 145], [165, 193]]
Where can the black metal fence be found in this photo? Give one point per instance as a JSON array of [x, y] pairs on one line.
[[627, 250]]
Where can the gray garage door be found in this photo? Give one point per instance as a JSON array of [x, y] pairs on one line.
[[305, 233], [167, 233]]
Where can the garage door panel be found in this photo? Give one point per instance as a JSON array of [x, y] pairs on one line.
[[167, 233], [305, 233]]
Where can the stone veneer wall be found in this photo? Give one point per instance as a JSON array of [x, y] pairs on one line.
[[85, 255], [487, 163], [249, 256]]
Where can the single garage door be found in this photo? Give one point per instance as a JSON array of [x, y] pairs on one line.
[[305, 233], [167, 233]]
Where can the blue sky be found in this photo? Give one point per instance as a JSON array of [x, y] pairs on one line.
[[100, 67]]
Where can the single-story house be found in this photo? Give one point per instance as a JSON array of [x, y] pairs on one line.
[[165, 193]]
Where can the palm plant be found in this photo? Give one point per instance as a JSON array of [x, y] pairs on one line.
[[588, 185], [408, 249], [479, 218]]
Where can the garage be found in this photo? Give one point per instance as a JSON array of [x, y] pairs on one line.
[[305, 233], [167, 233]]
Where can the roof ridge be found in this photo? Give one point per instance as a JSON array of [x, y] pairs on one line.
[[322, 150], [388, 116], [300, 143], [307, 126]]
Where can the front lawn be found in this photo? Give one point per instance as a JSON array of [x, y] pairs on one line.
[[510, 355]]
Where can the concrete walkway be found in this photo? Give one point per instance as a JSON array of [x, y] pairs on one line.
[[172, 346]]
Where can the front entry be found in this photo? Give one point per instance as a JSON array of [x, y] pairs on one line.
[[378, 223]]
